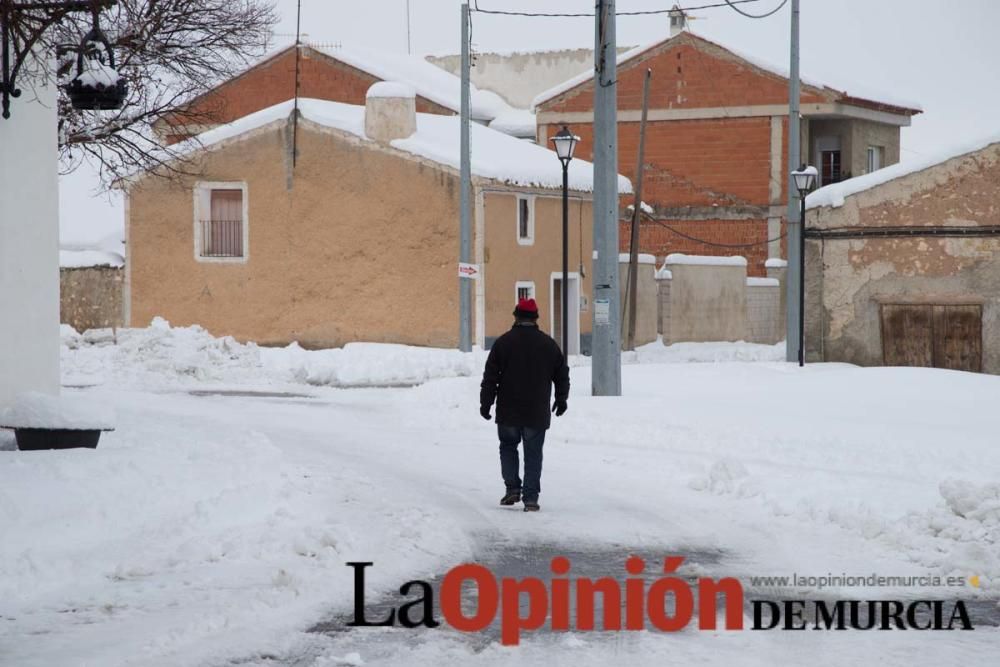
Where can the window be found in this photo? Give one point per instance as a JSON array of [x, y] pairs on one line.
[[830, 172], [220, 222], [526, 220], [524, 289], [876, 158]]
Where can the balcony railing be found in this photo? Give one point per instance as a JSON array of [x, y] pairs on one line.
[[222, 238]]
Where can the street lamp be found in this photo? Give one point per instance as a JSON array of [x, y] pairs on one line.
[[97, 85], [805, 180], [22, 24], [565, 143]]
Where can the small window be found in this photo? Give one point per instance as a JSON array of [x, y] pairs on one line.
[[525, 220], [876, 158], [524, 289], [220, 222]]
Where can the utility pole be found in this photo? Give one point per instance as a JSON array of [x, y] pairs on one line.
[[606, 366], [793, 278], [465, 167], [633, 257], [409, 51]]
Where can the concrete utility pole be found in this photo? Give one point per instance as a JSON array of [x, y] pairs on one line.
[[792, 276], [465, 252], [606, 368]]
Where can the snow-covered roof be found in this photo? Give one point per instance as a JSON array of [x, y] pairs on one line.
[[852, 90], [516, 122], [834, 195], [428, 80], [495, 155]]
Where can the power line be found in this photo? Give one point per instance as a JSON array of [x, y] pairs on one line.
[[647, 12], [712, 243], [736, 9]]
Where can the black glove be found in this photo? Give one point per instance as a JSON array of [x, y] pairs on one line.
[[484, 410], [559, 407]]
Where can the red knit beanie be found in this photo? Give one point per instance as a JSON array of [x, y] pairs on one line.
[[526, 309]]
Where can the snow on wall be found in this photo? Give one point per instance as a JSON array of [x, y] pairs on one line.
[[834, 195], [776, 263], [643, 258], [753, 281], [391, 89], [707, 260]]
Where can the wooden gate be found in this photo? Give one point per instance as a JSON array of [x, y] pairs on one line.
[[939, 336]]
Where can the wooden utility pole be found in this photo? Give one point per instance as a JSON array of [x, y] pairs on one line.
[[633, 260]]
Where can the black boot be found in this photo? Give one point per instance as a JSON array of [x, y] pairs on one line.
[[531, 506], [511, 497]]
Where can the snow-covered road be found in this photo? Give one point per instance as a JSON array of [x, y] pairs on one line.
[[213, 529]]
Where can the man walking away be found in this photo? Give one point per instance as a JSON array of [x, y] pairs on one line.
[[522, 366]]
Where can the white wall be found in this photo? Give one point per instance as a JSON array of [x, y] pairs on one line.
[[29, 244]]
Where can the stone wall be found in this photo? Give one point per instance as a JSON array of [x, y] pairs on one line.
[[646, 300], [764, 321], [91, 297]]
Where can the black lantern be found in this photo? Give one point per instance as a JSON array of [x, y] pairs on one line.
[[97, 84], [565, 142]]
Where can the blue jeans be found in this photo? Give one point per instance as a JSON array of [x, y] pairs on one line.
[[533, 438]]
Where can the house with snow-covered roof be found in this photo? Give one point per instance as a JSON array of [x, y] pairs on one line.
[[340, 223], [716, 165], [335, 73], [903, 264]]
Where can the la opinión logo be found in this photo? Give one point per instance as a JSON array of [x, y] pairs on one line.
[[551, 603], [634, 604]]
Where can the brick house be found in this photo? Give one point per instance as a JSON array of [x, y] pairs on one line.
[[338, 74], [716, 145], [358, 238], [903, 265]]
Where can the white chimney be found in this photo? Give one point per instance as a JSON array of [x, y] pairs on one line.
[[678, 21], [390, 111]]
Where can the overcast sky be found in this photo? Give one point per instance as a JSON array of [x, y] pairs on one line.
[[942, 55]]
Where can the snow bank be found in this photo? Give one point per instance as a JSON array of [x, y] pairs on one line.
[[33, 409], [391, 89], [834, 195], [706, 260]]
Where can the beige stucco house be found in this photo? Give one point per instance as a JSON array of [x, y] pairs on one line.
[[903, 264], [340, 223]]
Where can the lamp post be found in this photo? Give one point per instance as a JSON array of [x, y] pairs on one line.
[[805, 180], [565, 143]]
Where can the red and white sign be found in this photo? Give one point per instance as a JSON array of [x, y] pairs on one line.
[[470, 271]]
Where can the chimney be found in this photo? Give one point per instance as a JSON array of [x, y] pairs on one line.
[[390, 111], [678, 21]]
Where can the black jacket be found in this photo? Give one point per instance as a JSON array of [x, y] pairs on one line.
[[523, 365]]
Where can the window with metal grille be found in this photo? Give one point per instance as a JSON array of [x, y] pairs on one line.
[[830, 167], [524, 289], [222, 231]]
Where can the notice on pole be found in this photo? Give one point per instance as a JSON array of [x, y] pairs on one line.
[[470, 271], [602, 311]]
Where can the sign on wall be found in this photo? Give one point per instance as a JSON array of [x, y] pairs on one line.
[[466, 270]]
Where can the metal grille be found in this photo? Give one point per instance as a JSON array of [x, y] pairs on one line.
[[222, 238]]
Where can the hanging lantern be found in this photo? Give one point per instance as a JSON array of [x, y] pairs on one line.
[[97, 84]]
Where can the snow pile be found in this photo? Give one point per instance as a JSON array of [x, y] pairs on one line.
[[979, 503], [658, 353], [33, 409], [371, 364], [834, 195]]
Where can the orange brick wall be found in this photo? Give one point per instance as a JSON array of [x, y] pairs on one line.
[[273, 82]]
